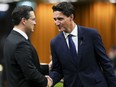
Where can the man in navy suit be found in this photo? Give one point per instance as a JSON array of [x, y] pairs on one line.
[[89, 66], [21, 59]]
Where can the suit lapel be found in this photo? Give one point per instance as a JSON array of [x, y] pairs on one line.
[[20, 37], [65, 48], [80, 44], [62, 40]]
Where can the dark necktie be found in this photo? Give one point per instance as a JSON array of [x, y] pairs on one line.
[[74, 54], [72, 47]]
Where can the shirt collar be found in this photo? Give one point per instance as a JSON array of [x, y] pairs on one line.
[[74, 32], [21, 32]]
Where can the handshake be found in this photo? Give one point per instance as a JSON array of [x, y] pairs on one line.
[[50, 81]]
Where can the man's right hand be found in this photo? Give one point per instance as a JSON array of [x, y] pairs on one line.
[[50, 81]]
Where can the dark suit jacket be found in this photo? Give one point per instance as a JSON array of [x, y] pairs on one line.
[[22, 64], [92, 68]]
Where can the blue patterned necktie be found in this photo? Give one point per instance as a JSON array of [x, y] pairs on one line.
[[72, 46]]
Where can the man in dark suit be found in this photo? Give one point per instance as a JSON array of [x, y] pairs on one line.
[[78, 54], [21, 59]]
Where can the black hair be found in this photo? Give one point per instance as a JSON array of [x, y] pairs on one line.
[[65, 7], [21, 12]]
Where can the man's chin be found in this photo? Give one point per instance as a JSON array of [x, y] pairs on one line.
[[61, 29], [32, 30], [28, 33]]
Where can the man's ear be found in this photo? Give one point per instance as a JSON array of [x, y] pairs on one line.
[[23, 20], [71, 17]]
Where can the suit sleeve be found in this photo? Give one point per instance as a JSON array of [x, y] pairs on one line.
[[56, 72], [24, 59], [104, 61]]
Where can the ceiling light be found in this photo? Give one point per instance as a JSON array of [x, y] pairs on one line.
[[113, 1], [4, 7], [28, 3]]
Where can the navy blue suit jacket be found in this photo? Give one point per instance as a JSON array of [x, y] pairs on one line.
[[92, 66]]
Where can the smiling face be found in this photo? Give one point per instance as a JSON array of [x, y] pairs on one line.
[[63, 22]]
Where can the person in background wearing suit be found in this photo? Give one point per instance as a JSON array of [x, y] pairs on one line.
[[112, 56], [21, 59], [78, 54]]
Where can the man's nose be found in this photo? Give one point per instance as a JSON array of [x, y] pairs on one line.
[[34, 22], [57, 22]]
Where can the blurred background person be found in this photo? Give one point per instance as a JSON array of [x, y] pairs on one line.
[[112, 56]]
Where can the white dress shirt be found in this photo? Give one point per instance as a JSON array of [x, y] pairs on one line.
[[74, 37], [21, 32]]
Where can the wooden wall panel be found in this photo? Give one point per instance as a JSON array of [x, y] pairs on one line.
[[103, 16], [114, 23], [45, 30], [100, 16]]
